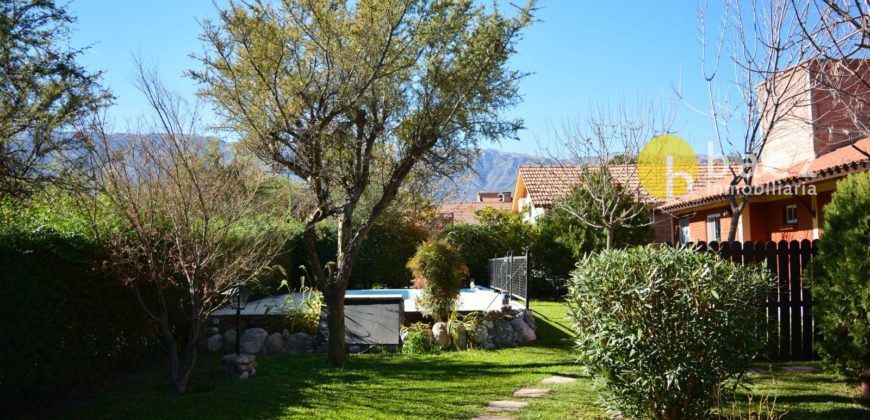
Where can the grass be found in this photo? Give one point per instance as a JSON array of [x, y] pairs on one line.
[[448, 385]]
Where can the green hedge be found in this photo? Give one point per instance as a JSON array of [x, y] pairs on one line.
[[64, 322]]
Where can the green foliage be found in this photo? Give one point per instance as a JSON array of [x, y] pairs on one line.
[[419, 340], [664, 329], [442, 272], [841, 283], [43, 90], [66, 322], [499, 232], [302, 317], [578, 214]]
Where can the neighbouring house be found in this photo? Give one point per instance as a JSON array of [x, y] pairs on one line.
[[464, 211], [538, 188], [823, 141]]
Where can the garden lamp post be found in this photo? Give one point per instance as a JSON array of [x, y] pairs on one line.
[[238, 294]]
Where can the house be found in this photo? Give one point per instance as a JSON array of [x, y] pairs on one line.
[[464, 211], [539, 187], [798, 168]]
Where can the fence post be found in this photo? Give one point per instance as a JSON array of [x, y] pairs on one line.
[[528, 276]]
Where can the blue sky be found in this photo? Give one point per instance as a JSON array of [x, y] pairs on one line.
[[581, 53]]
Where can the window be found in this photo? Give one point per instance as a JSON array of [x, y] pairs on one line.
[[790, 216], [684, 231], [714, 231]]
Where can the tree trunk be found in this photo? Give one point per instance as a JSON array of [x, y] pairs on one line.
[[337, 343], [865, 387], [609, 243]]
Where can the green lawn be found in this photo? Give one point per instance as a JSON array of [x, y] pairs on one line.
[[450, 385]]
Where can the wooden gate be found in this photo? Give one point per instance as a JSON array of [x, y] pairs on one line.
[[791, 331]]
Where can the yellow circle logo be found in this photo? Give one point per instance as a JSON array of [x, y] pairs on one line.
[[666, 167]]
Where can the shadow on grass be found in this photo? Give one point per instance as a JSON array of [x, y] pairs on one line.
[[448, 385]]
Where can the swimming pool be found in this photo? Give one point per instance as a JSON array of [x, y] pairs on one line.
[[472, 299]]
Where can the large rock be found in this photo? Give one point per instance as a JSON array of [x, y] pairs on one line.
[[529, 317], [525, 333], [210, 331], [230, 340], [253, 339], [214, 343], [504, 334], [442, 338], [481, 334], [275, 343], [298, 343]]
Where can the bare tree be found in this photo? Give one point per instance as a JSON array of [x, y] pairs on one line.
[[761, 100], [598, 155], [178, 220], [343, 94]]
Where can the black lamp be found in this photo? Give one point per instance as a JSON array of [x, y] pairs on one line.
[[239, 295]]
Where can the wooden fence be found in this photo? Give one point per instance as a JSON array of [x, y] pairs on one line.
[[791, 331]]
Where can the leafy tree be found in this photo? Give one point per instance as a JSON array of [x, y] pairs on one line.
[[591, 228], [352, 96], [842, 304], [43, 91], [440, 270]]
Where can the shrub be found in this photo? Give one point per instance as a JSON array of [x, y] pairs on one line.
[[663, 329], [442, 270], [65, 322], [842, 305], [419, 339]]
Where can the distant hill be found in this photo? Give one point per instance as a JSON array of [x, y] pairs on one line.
[[494, 171]]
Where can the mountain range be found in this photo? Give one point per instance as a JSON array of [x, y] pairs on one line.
[[495, 170]]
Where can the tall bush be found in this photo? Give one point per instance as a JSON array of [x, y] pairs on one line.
[[442, 272], [842, 304], [664, 329], [65, 321]]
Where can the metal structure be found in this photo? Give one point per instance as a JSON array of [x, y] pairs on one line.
[[511, 274]]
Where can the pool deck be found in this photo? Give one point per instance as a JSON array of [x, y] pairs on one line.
[[475, 299]]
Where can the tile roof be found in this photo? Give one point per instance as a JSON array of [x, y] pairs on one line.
[[835, 163], [463, 211], [546, 184]]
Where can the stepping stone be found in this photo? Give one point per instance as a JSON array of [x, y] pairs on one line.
[[531, 392], [492, 418], [506, 405], [760, 371], [556, 379], [799, 369]]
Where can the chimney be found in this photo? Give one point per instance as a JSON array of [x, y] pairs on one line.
[[507, 197]]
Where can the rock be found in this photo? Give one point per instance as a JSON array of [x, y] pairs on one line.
[[462, 336], [230, 340], [241, 366], [442, 338], [525, 333], [529, 317], [214, 343], [490, 345], [210, 331], [252, 340], [488, 324], [275, 343], [403, 335], [299, 343], [354, 349], [481, 334], [504, 334]]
